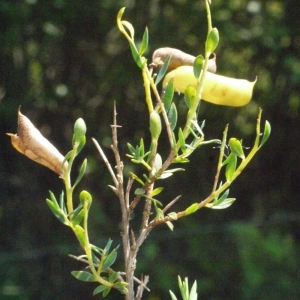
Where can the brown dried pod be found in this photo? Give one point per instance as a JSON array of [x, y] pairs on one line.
[[178, 58], [30, 142]]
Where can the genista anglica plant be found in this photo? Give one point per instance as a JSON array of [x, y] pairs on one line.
[[194, 77]]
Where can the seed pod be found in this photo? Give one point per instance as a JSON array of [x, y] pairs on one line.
[[155, 125], [178, 58], [31, 143], [217, 89]]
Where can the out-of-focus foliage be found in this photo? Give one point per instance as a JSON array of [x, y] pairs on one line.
[[63, 59]]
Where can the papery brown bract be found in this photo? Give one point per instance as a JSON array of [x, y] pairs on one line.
[[178, 58], [30, 142]]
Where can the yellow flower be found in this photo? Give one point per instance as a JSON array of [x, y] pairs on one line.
[[217, 89]]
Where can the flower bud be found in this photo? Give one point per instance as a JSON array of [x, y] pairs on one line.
[[155, 125], [217, 89], [79, 130], [85, 196]]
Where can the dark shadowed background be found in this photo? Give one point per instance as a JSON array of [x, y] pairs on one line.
[[63, 59]]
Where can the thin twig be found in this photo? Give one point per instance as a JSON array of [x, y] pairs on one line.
[[219, 167], [141, 287], [171, 203], [106, 162]]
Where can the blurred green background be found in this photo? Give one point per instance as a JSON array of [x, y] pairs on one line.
[[63, 59]]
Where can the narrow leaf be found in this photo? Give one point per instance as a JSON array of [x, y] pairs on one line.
[[197, 67], [168, 95], [225, 204], [106, 291], [212, 41], [172, 116], [76, 220], [79, 232], [109, 260], [99, 289], [108, 245], [84, 276], [131, 149], [136, 178], [56, 211], [173, 215], [191, 209], [170, 225], [81, 172], [113, 276], [190, 96], [231, 166], [139, 191], [144, 44], [221, 199], [136, 55], [181, 140], [236, 147], [156, 191], [267, 132], [163, 70], [173, 297]]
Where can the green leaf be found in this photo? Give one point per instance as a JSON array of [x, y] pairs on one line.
[[144, 44], [190, 96], [131, 149], [159, 213], [173, 297], [192, 209], [81, 172], [163, 70], [212, 41], [180, 160], [84, 276], [173, 215], [197, 67], [225, 204], [57, 212], [172, 116], [99, 289], [221, 199], [193, 292], [113, 276], [170, 225], [79, 232], [168, 95], [236, 147], [156, 191], [121, 286], [106, 291], [108, 245], [62, 203], [181, 140], [79, 217], [141, 148], [136, 178], [157, 162], [267, 132], [109, 260], [136, 55], [139, 191], [231, 166]]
